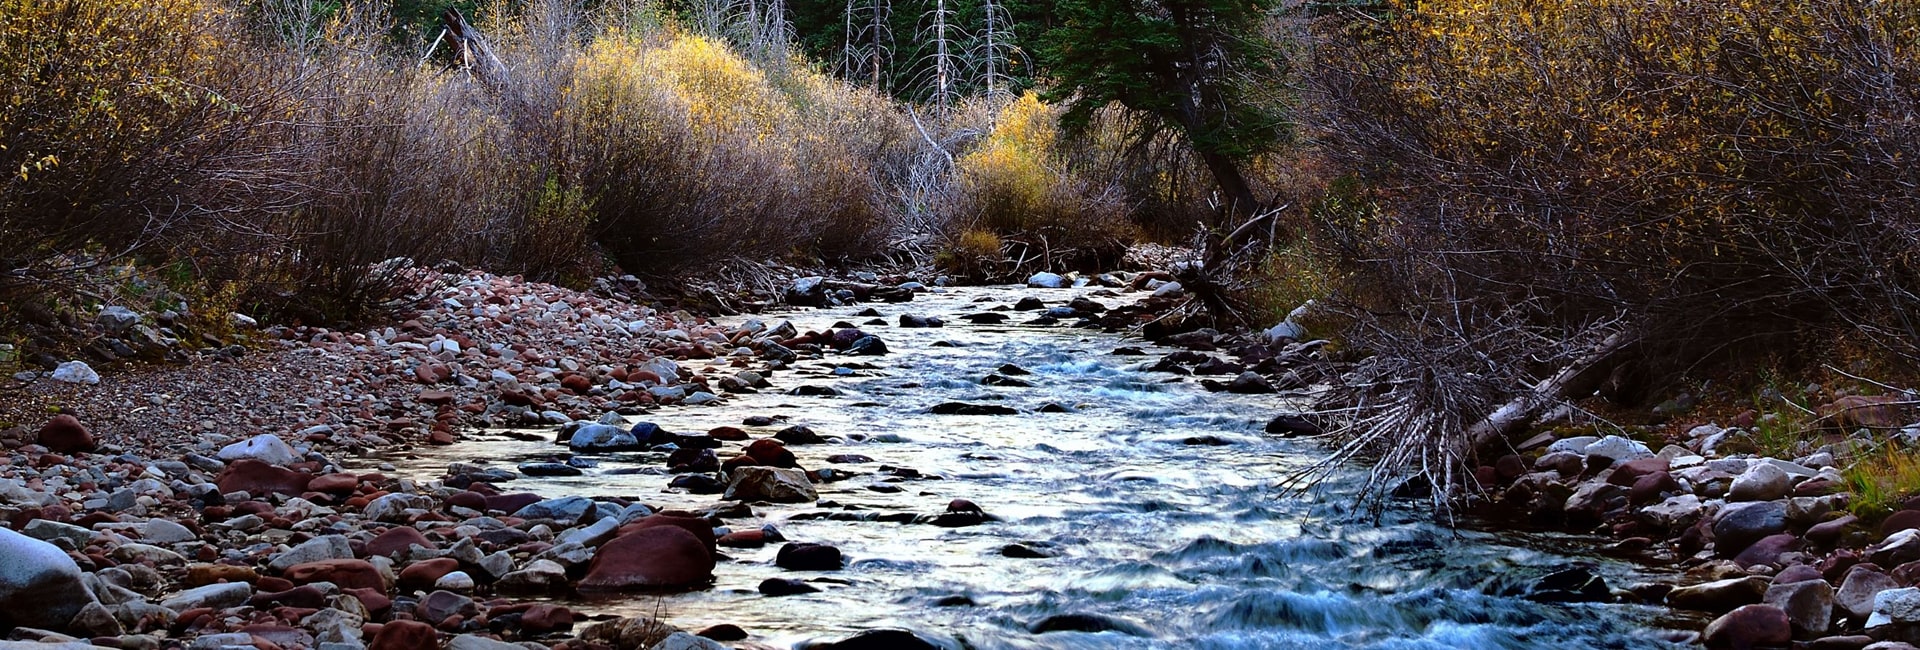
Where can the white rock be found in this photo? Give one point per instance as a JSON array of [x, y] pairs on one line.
[[217, 596], [455, 581], [1045, 280], [266, 448], [1761, 482], [1895, 606], [1576, 444], [40, 586], [475, 642], [242, 321], [1619, 449], [1679, 509], [1174, 290], [76, 372]]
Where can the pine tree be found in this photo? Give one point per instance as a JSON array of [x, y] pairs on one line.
[[1184, 64]]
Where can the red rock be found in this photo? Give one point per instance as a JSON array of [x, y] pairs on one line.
[[376, 601], [517, 398], [1630, 472], [65, 434], [1509, 467], [511, 502], [348, 574], [1649, 488], [659, 557], [1865, 411], [1899, 521], [542, 618], [439, 437], [771, 452], [405, 635], [699, 527], [436, 397], [469, 499], [1767, 550], [579, 384], [730, 434], [644, 377], [334, 483], [1749, 626], [421, 575], [269, 584], [301, 596], [259, 478], [752, 538], [1827, 534], [397, 540]]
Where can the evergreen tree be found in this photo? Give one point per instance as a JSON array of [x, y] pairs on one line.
[[1191, 65]]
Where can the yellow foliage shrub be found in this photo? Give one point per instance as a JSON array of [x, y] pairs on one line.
[[1017, 185], [105, 107], [1709, 170]]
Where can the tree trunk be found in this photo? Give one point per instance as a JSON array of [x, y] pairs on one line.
[[1576, 380], [1233, 185]]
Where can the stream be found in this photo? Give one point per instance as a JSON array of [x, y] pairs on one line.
[[1158, 504]]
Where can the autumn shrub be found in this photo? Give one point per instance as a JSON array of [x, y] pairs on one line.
[[1017, 184], [109, 109], [690, 154], [1712, 177]]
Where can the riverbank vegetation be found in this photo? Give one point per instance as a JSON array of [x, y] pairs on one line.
[[1507, 207]]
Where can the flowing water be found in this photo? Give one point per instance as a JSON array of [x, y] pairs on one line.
[[1177, 545]]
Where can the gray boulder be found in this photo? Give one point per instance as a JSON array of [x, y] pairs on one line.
[[1739, 525], [1857, 590], [771, 484], [601, 438], [40, 586], [1761, 482], [566, 510], [1808, 604]]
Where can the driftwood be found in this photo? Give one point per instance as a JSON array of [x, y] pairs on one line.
[[1577, 379], [474, 53]]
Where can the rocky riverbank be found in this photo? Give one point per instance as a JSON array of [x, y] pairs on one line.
[[233, 502], [217, 503]]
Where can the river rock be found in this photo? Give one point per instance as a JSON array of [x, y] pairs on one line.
[[1761, 482], [48, 531], [477, 642], [601, 438], [40, 585], [75, 372], [785, 587], [1739, 525], [1045, 280], [215, 596], [628, 632], [565, 510], [1720, 595], [325, 547], [405, 635], [1808, 604], [1750, 626], [650, 558], [1767, 550], [347, 574], [397, 540], [885, 639], [799, 435], [539, 575], [771, 484], [259, 478], [65, 434], [804, 556], [1617, 448], [684, 641], [1855, 597], [1899, 548], [1895, 607], [266, 448]]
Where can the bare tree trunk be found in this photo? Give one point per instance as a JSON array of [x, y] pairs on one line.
[[1578, 379]]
